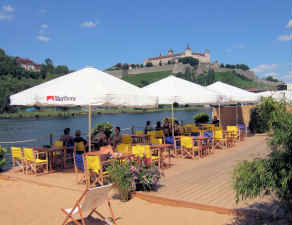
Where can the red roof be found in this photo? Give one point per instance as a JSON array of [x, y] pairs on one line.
[[173, 55], [27, 62]]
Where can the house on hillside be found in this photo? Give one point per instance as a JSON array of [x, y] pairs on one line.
[[171, 57], [28, 65]]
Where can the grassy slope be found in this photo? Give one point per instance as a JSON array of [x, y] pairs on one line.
[[144, 79], [238, 81]]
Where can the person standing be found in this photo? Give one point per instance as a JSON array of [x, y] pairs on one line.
[[148, 127]]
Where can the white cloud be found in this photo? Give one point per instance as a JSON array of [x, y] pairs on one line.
[[6, 12], [264, 67], [289, 24], [8, 8], [284, 37], [4, 16], [43, 38], [44, 26], [89, 24]]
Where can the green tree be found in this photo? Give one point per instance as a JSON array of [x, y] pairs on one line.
[[125, 66], [61, 70]]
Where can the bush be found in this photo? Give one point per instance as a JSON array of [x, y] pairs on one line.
[[261, 115], [201, 118], [2, 156], [133, 176], [272, 175]]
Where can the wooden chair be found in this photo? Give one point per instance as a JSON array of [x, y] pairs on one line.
[[94, 167], [188, 147], [126, 139], [34, 163], [90, 199], [64, 154], [233, 134], [148, 153], [139, 132], [17, 158], [155, 141], [123, 148], [219, 138], [138, 151]]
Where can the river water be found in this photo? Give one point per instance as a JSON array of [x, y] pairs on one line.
[[33, 128]]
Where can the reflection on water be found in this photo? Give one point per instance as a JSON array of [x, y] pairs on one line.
[[23, 129]]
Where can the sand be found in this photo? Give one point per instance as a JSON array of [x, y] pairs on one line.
[[24, 203]]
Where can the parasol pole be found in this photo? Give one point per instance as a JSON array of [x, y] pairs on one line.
[[89, 128], [172, 127], [219, 115]]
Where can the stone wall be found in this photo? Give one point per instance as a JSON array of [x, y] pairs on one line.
[[151, 69]]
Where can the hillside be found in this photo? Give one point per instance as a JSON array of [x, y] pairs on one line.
[[229, 77], [144, 79]]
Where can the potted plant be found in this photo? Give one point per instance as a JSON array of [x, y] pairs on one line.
[[108, 127], [146, 176], [120, 174], [201, 118]]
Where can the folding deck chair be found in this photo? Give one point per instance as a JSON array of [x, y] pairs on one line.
[[88, 202]]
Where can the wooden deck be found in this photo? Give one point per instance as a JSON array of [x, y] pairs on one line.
[[209, 181]]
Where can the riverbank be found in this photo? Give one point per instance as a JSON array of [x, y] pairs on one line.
[[73, 113]]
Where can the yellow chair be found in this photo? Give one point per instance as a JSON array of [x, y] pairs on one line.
[[126, 139], [149, 154], [138, 151], [159, 134], [33, 161], [123, 148], [188, 147], [151, 133], [95, 169], [155, 141], [139, 132], [17, 158], [219, 138], [188, 128]]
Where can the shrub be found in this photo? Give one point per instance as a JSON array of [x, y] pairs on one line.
[[2, 156], [133, 176], [201, 118], [120, 174], [262, 114], [272, 175]]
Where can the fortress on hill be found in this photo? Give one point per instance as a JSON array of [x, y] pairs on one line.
[[172, 58]]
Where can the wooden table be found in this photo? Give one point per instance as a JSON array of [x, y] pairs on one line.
[[50, 151], [140, 138], [203, 144], [162, 148]]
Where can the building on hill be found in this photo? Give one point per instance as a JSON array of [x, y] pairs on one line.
[[172, 58], [28, 65]]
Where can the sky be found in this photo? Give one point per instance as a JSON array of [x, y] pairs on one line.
[[102, 33]]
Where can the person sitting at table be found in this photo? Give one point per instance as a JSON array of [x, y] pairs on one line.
[[67, 139], [215, 121], [116, 137], [166, 128], [158, 126], [100, 139], [106, 152], [78, 139], [148, 127]]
